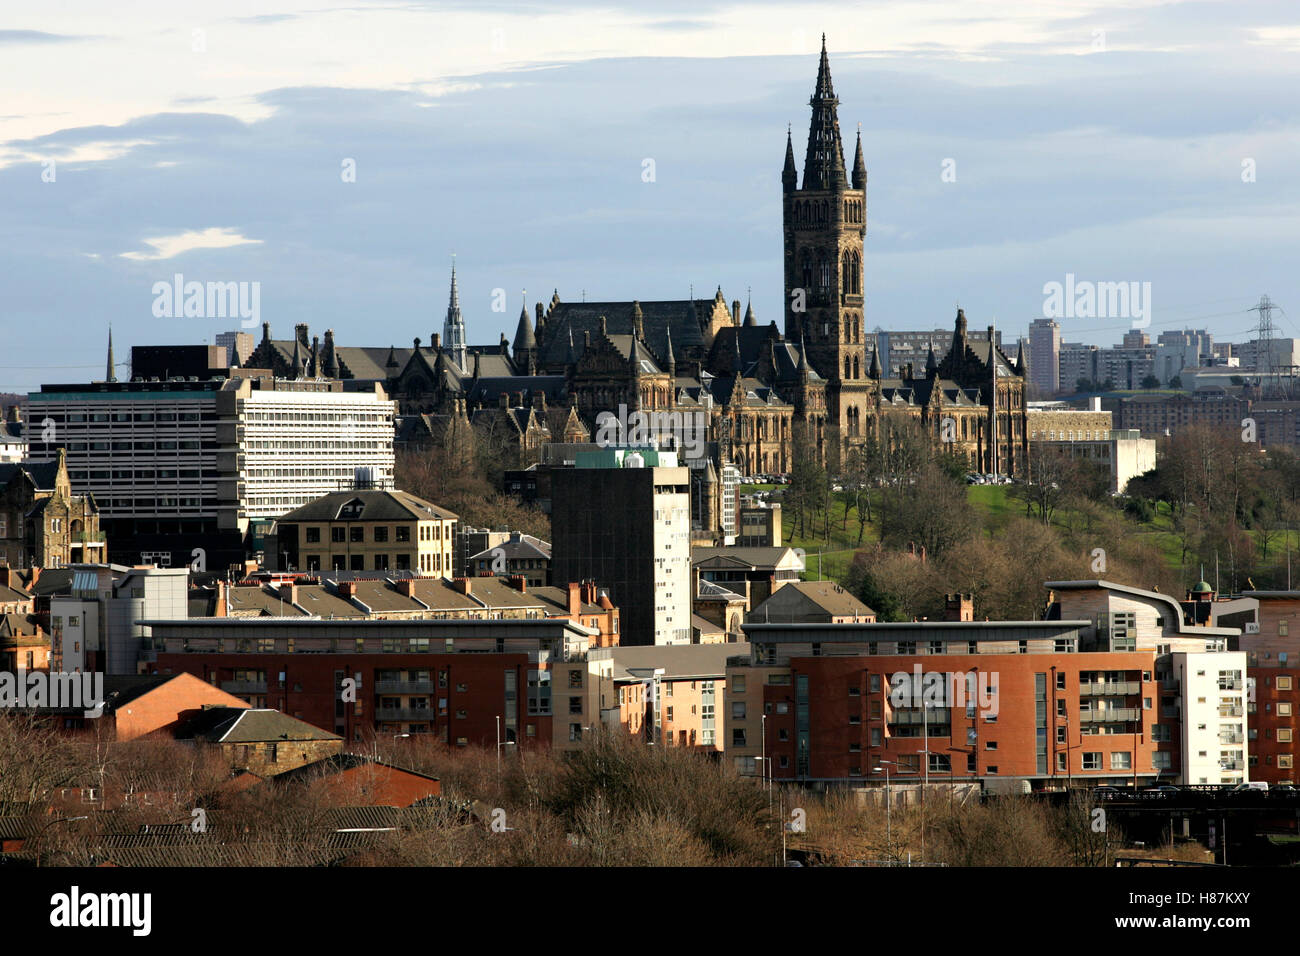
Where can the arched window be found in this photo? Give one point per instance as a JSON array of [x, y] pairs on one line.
[[857, 367], [846, 366]]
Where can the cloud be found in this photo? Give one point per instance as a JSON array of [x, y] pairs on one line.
[[168, 247], [36, 36]]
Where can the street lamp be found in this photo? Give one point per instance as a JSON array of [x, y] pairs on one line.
[[889, 827]]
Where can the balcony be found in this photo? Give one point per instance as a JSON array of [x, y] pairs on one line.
[[87, 537], [244, 686], [403, 687], [1113, 716], [1121, 688], [1231, 739], [1230, 685], [1235, 711], [404, 713]]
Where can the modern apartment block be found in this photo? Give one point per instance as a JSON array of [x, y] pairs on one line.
[[1272, 653], [1158, 415], [366, 530], [1045, 355], [622, 517], [195, 471], [466, 682], [97, 626], [1107, 689]]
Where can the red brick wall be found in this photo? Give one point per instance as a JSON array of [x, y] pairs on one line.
[[163, 708]]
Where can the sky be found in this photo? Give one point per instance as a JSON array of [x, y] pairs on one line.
[[337, 157]]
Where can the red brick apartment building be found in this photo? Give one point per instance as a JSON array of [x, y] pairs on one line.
[[1115, 687], [460, 680], [1272, 653]]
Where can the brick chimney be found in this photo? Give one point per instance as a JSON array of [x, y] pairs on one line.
[[589, 592], [289, 592], [518, 582], [406, 587], [575, 597], [959, 607], [462, 585], [222, 607], [347, 589]]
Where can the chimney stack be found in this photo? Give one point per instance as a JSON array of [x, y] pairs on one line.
[[347, 589], [462, 585], [575, 597]]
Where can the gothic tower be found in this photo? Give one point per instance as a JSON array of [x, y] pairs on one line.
[[825, 223], [453, 328]]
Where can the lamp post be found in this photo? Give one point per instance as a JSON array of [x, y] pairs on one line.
[[889, 827]]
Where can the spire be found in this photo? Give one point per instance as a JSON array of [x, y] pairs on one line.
[[453, 327], [790, 174], [672, 359], [931, 363], [638, 321], [525, 341], [296, 361], [392, 357], [859, 167], [823, 166], [958, 351], [874, 371], [737, 360], [1020, 359], [110, 376], [804, 367], [749, 313]]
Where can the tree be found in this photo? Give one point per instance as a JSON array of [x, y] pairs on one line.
[[1176, 382], [1150, 382]]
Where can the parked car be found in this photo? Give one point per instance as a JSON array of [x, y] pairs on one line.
[[1250, 785], [1161, 792]]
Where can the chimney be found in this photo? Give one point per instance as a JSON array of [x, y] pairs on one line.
[[435, 342], [518, 582], [959, 607], [504, 400], [4, 575], [222, 608], [575, 597], [589, 592], [406, 587], [347, 589], [735, 311], [462, 585], [15, 413], [290, 592]]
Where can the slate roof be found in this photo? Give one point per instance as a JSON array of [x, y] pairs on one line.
[[682, 315], [42, 473], [376, 506], [234, 725], [809, 601]]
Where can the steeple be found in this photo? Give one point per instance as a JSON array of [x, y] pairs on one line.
[[790, 174], [958, 351], [672, 359], [874, 371], [1020, 359], [804, 367], [749, 313], [296, 361], [859, 167], [110, 376], [453, 327], [931, 363], [736, 359], [823, 166]]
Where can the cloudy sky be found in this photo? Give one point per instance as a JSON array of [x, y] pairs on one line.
[[1115, 142]]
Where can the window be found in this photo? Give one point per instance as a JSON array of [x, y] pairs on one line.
[[1092, 760], [1060, 681], [738, 738], [1284, 683], [1283, 708], [313, 535], [1284, 735], [1284, 761], [358, 534], [1121, 760], [738, 710], [738, 685], [1061, 765], [403, 533], [381, 534], [338, 535]]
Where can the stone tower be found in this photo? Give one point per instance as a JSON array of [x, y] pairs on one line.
[[825, 223]]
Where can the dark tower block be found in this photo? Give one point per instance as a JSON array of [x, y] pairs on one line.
[[825, 223]]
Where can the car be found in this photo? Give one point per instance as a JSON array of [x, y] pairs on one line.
[[1107, 793], [1250, 785]]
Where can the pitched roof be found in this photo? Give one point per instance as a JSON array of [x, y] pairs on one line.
[[233, 725], [374, 505], [682, 315], [679, 661], [809, 601]]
